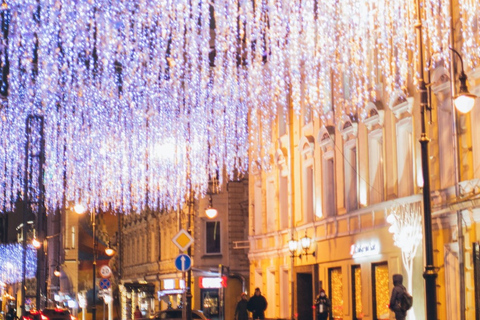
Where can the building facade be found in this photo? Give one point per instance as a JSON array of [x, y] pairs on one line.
[[219, 270], [354, 186]]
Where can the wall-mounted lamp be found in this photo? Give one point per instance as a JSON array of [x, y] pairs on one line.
[[305, 242], [109, 250], [464, 100], [57, 272], [210, 212], [37, 244]]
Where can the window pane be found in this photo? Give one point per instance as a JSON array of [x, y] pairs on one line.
[[336, 292], [357, 292], [213, 236], [382, 292]]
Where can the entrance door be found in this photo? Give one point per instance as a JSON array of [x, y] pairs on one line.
[[304, 296]]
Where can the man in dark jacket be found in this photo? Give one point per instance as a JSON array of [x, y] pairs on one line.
[[241, 312], [397, 293], [257, 305]]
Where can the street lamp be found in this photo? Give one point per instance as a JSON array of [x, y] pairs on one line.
[[57, 272], [210, 212], [306, 243], [80, 209], [464, 102]]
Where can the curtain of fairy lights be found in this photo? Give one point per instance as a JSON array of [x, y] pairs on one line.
[[11, 261], [145, 99]]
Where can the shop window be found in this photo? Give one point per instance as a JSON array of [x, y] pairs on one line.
[[213, 237], [357, 293], [336, 292], [381, 291]]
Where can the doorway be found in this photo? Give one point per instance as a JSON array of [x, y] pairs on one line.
[[304, 296]]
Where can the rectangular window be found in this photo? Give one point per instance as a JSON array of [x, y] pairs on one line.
[[336, 292], [405, 162], [308, 192], [375, 166], [283, 202], [329, 187], [271, 207], [381, 291], [258, 218], [213, 236], [350, 167], [357, 293]]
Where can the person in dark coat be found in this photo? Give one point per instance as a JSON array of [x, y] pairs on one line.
[[257, 305], [397, 292], [241, 311], [322, 305], [10, 314]]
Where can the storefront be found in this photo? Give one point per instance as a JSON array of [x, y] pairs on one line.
[[359, 282], [137, 294]]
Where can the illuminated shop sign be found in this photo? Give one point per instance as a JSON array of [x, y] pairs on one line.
[[358, 250], [212, 283], [170, 284]]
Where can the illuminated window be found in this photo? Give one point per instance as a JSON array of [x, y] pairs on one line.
[[336, 292], [375, 166], [381, 291], [212, 244], [357, 292], [405, 162]]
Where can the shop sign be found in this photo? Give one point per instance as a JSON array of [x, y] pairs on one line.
[[170, 284], [213, 283], [358, 250]]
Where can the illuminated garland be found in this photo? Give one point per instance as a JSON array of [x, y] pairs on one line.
[[143, 99], [11, 258]]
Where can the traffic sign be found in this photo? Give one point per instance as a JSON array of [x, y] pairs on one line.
[[105, 271], [183, 262], [104, 283], [183, 240]]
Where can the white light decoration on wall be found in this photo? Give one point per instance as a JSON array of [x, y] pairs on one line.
[[117, 80], [406, 227]]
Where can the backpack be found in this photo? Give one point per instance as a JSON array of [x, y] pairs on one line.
[[406, 301]]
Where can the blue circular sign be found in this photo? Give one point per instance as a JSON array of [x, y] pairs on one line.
[[183, 262], [104, 284]]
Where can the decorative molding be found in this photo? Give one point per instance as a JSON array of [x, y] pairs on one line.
[[375, 114]]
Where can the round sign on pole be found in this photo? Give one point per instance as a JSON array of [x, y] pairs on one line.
[[183, 262], [105, 271]]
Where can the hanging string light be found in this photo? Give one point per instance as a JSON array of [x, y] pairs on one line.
[[132, 89], [11, 259]]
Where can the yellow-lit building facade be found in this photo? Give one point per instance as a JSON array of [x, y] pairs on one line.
[[351, 184]]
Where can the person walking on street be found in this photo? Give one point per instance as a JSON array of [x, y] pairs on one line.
[[322, 305], [10, 314], [138, 313], [257, 305], [241, 311], [395, 298]]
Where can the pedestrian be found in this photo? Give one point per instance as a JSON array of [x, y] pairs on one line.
[[241, 311], [395, 298], [322, 305], [138, 313], [257, 305], [10, 314]]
